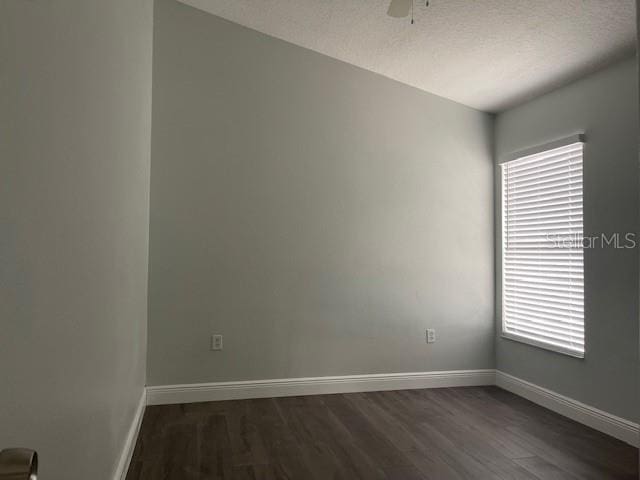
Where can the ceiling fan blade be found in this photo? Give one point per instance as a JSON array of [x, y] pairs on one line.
[[399, 8]]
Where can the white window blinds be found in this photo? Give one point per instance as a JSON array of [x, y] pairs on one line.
[[542, 251]]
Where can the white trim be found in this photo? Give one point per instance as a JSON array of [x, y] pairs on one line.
[[617, 427], [205, 392], [561, 142], [545, 346], [604, 422], [130, 442]]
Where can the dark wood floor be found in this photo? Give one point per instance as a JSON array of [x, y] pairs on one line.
[[439, 434]]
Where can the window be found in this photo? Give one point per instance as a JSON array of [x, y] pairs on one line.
[[542, 249]]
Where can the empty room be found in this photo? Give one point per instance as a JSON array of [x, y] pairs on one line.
[[319, 240]]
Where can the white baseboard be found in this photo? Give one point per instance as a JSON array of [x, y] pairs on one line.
[[607, 423], [205, 392], [612, 425], [130, 441]]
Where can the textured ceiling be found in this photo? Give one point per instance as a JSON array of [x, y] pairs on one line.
[[488, 54]]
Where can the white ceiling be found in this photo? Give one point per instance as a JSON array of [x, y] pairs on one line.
[[488, 54]]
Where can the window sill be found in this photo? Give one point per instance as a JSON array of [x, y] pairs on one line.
[[544, 346]]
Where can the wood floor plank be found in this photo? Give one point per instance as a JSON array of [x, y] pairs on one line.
[[544, 470], [470, 433]]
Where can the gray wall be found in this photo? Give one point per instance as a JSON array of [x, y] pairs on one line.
[[75, 117], [317, 215], [604, 106]]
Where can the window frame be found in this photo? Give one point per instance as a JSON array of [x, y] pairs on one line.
[[576, 138]]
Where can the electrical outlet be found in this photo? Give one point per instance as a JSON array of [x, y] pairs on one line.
[[216, 342], [431, 335]]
